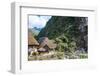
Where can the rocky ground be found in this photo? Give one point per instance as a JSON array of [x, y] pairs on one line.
[[53, 55]]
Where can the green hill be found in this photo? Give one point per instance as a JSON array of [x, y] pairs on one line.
[[71, 33]]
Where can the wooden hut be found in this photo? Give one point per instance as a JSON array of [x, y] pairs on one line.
[[46, 43], [32, 42]]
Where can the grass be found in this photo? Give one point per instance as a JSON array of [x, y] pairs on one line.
[[76, 56], [83, 56], [54, 55], [47, 56]]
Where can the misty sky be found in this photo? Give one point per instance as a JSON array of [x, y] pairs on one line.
[[38, 21]]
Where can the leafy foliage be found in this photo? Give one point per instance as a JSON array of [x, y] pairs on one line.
[[70, 33]]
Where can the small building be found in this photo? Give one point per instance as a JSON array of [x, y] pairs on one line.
[[32, 42], [46, 43]]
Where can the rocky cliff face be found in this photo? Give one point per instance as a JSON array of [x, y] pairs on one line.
[[73, 28]]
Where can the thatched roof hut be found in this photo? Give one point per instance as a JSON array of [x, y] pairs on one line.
[[45, 42], [31, 40]]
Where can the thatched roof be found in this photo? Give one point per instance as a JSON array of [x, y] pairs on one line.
[[44, 41], [31, 39]]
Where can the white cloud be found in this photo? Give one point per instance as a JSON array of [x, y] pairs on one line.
[[38, 21]]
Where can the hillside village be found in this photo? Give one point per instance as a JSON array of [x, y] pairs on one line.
[[62, 38], [40, 48]]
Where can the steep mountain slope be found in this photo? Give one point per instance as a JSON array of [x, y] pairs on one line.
[[67, 29]]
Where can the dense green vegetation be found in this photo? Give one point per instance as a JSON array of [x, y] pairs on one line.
[[70, 35]]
